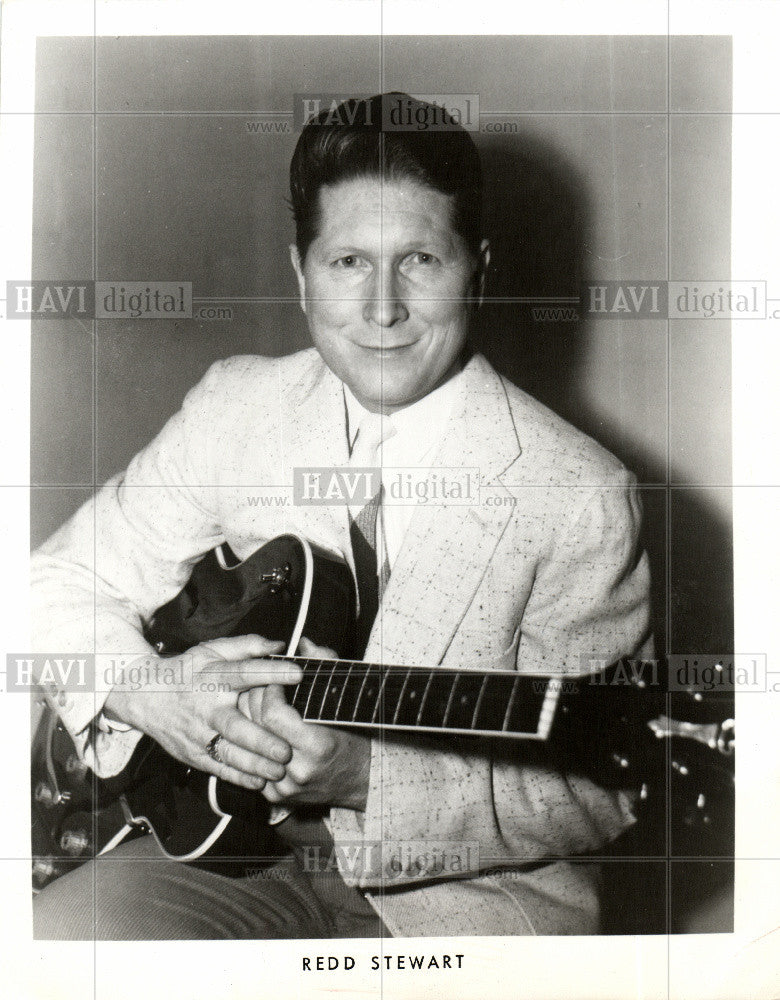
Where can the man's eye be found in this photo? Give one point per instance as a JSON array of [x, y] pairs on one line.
[[421, 257], [349, 260]]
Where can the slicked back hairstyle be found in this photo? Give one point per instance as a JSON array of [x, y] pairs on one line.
[[349, 142]]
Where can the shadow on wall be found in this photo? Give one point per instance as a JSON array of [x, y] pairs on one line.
[[537, 216]]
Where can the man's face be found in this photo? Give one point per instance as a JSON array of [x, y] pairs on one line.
[[384, 287]]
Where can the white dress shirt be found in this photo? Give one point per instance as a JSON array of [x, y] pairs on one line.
[[418, 430]]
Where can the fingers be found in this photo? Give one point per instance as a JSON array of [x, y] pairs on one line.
[[243, 647], [226, 773], [191, 747], [251, 738], [251, 702], [240, 675], [281, 719], [279, 791], [244, 703], [308, 648], [255, 771], [236, 763]]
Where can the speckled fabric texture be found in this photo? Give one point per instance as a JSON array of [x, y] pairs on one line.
[[538, 572]]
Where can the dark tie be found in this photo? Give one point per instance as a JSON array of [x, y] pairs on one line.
[[363, 533]]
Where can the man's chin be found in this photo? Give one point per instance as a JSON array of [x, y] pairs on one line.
[[384, 398]]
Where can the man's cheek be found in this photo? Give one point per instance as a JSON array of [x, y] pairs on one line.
[[443, 327], [331, 315]]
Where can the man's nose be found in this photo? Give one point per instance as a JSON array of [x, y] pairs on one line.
[[385, 305]]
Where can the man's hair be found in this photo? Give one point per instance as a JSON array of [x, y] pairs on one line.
[[350, 141]]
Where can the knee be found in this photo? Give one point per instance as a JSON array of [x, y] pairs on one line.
[[64, 910]]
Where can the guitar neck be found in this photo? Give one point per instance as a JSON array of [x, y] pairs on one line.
[[423, 699]]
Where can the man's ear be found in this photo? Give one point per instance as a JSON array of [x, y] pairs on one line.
[[295, 260], [481, 274]]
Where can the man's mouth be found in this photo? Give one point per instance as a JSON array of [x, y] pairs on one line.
[[387, 348]]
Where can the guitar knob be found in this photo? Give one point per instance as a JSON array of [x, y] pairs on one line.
[[278, 578], [74, 842], [42, 870], [702, 806], [725, 737], [45, 795], [48, 797]]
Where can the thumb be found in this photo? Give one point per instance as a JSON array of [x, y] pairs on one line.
[[242, 647], [308, 648]]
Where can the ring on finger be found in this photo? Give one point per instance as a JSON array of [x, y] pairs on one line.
[[213, 748]]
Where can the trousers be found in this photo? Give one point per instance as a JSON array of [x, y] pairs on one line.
[[136, 893]]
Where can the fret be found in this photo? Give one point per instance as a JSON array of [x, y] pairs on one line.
[[295, 692], [460, 712], [449, 701], [424, 698], [399, 702], [312, 689], [380, 697], [344, 686], [491, 713], [510, 704], [410, 697], [360, 693], [478, 705], [350, 694], [395, 682], [330, 696], [303, 689], [366, 703], [438, 698], [523, 713]]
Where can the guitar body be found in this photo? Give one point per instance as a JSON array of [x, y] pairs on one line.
[[284, 590]]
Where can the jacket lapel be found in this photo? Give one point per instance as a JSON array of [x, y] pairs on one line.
[[448, 546], [313, 435]]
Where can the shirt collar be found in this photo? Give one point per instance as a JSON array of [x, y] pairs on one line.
[[420, 425]]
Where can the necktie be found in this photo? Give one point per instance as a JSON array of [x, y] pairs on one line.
[[365, 529]]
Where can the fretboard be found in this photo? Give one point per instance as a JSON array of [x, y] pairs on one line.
[[493, 702]]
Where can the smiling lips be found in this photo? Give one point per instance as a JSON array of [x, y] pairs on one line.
[[385, 348]]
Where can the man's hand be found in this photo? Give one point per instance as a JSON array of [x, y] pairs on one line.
[[183, 721], [328, 766]]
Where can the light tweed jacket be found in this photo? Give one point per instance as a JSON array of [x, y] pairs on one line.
[[542, 571]]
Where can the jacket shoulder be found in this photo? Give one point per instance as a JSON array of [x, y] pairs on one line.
[[254, 368], [562, 452]]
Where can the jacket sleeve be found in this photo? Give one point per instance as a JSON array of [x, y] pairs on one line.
[[124, 553], [462, 810]]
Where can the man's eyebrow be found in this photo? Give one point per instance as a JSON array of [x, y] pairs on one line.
[[434, 240], [440, 242], [343, 249]]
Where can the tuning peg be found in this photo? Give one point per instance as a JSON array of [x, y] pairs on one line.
[[74, 842]]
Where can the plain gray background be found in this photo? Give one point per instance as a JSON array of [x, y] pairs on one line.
[[619, 169]]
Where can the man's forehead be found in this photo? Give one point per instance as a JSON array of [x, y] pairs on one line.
[[376, 208]]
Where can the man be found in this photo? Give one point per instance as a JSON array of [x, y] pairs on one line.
[[538, 574]]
